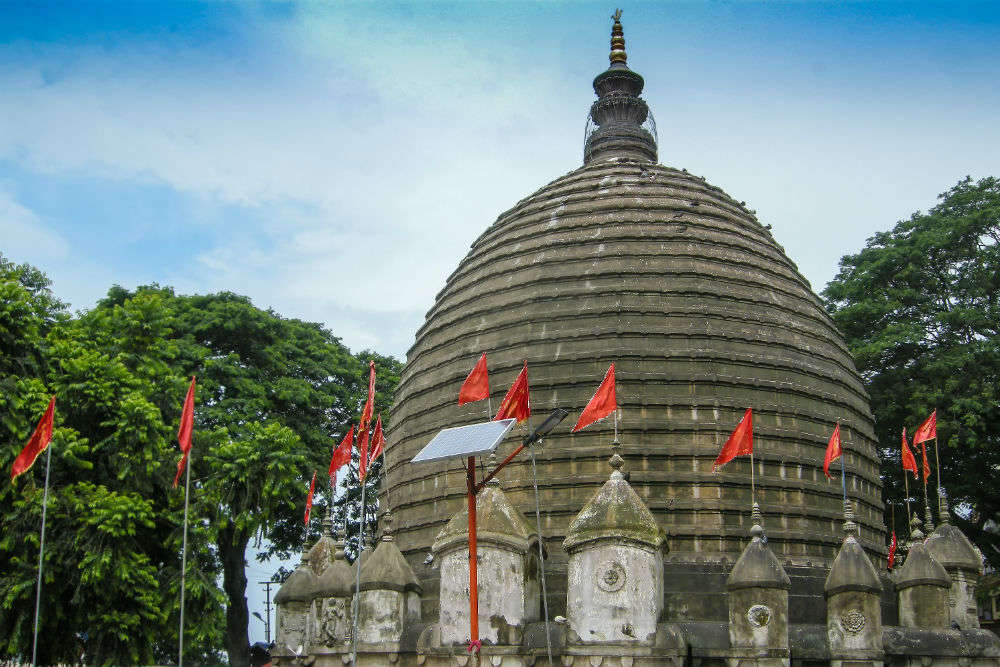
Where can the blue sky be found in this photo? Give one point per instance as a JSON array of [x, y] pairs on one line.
[[335, 160]]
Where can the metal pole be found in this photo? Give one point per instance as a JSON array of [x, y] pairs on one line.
[[357, 580], [753, 492], [187, 489], [906, 485], [41, 552], [937, 463], [843, 477], [267, 609], [541, 554], [473, 561]]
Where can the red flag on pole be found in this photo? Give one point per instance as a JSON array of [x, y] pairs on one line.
[[927, 430], [378, 439], [363, 456], [927, 465], [341, 455], [740, 443], [602, 404], [515, 404], [833, 450], [184, 430], [477, 385], [309, 498], [909, 463], [366, 414], [36, 444], [891, 562]]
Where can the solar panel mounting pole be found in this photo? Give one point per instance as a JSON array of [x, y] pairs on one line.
[[473, 571]]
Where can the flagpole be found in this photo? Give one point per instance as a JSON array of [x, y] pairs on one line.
[[41, 552], [753, 493], [187, 489], [937, 463], [843, 476], [906, 485], [357, 580], [541, 554]]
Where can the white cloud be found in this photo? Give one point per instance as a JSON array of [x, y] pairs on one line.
[[24, 236]]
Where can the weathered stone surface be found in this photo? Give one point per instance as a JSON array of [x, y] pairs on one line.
[[615, 511], [758, 601], [950, 547], [386, 569], [922, 585], [507, 566], [853, 609]]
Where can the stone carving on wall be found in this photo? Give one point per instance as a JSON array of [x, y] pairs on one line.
[[759, 615], [610, 576], [853, 622]]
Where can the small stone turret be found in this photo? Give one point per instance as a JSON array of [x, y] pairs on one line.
[[758, 603], [853, 612], [507, 566], [922, 585], [615, 572], [292, 602], [950, 547], [330, 612], [390, 592]]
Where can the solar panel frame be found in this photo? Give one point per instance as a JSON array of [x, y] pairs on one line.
[[464, 441]]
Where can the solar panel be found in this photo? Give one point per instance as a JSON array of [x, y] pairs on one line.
[[465, 441]]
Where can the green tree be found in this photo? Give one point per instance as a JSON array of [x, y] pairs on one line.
[[920, 308]]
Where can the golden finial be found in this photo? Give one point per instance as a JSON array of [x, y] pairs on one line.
[[617, 40]]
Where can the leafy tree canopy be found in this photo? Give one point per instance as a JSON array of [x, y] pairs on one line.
[[273, 393], [920, 308]]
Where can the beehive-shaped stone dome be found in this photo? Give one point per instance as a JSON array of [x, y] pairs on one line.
[[652, 268]]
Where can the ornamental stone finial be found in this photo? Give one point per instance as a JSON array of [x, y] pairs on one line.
[[616, 461], [850, 527], [944, 516], [618, 54]]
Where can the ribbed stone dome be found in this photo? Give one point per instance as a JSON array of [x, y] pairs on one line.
[[703, 314]]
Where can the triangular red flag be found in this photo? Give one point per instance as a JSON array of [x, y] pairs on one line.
[[309, 498], [477, 385], [378, 439], [891, 562], [515, 404], [909, 463], [341, 455], [363, 456], [927, 430], [832, 450], [927, 465], [366, 414], [184, 430], [602, 404], [36, 444], [740, 443]]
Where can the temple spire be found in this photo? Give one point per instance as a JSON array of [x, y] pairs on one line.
[[618, 55]]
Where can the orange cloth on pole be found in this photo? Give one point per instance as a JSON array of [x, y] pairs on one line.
[[378, 439], [309, 498], [477, 385], [927, 465], [366, 414], [833, 450], [36, 444], [740, 443], [341, 454], [515, 404], [909, 463], [927, 430], [602, 404], [184, 430], [363, 456]]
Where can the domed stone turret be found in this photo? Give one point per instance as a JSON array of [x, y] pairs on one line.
[[950, 547], [647, 266]]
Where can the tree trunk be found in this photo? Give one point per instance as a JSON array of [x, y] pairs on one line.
[[232, 549]]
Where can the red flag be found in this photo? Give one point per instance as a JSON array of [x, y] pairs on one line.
[[515, 404], [909, 463], [833, 450], [740, 443], [309, 498], [927, 430], [927, 466], [363, 456], [891, 562], [184, 431], [378, 439], [341, 455], [37, 443], [366, 414], [477, 385], [602, 404]]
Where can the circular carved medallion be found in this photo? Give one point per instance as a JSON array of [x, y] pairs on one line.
[[758, 615], [610, 576], [853, 622]]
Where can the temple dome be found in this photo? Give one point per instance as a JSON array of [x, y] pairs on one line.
[[627, 261]]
